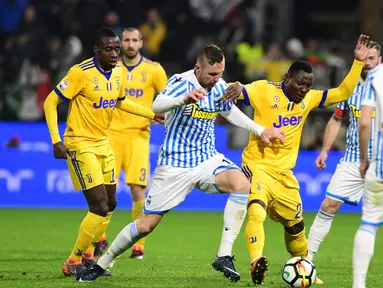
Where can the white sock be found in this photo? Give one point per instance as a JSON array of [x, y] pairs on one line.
[[318, 232], [124, 240], [361, 255], [234, 214]]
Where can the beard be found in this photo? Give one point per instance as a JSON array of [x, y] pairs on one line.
[[130, 54]]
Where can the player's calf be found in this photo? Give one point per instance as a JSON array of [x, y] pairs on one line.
[[295, 239]]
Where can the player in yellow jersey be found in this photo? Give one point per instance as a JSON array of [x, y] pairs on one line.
[[93, 89], [129, 134], [274, 188]]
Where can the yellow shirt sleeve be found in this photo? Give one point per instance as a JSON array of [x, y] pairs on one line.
[[71, 85], [134, 108], [50, 109], [343, 91], [160, 79], [251, 91]]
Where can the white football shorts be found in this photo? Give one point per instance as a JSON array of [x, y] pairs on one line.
[[346, 185], [171, 185]]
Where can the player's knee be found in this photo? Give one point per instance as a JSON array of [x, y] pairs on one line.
[[256, 211], [112, 204], [240, 185], [296, 229], [101, 209], [330, 206]]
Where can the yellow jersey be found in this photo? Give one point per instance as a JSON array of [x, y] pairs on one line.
[[92, 95], [273, 107], [141, 82]]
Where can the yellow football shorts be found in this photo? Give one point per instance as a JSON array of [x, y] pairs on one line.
[[132, 156], [280, 193], [92, 166]]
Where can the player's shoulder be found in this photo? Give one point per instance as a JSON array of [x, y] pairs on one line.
[[150, 62], [86, 64], [373, 73], [277, 85]]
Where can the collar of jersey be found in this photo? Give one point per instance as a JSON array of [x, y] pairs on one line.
[[106, 74], [361, 81], [130, 68], [285, 92]]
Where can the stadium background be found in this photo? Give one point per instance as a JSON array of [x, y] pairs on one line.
[[40, 40]]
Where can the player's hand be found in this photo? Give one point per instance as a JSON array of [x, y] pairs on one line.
[[361, 49], [271, 134], [195, 96], [60, 151], [320, 162], [233, 92], [159, 118], [363, 168]]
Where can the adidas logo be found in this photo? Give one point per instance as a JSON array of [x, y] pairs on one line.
[[96, 88], [275, 106]]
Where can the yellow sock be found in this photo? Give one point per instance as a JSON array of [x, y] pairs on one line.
[[100, 232], [86, 232], [137, 208], [255, 233], [296, 244]]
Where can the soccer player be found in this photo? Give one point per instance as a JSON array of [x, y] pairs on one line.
[[372, 215], [128, 133], [346, 185], [188, 159], [274, 188], [93, 89]]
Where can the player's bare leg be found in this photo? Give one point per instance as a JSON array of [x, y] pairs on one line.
[[231, 181], [321, 225], [128, 236], [138, 197], [97, 200]]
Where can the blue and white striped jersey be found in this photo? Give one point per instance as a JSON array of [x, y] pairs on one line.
[[189, 129], [373, 96], [354, 106]]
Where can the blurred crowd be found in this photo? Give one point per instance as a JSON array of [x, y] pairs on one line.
[[41, 40]]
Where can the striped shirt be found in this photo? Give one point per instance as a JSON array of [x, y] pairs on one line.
[[189, 129], [354, 106], [373, 96]]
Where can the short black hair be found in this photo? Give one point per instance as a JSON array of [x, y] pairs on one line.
[[300, 65], [212, 53], [374, 45], [103, 32], [131, 29]]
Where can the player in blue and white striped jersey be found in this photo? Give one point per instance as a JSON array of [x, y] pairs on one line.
[[346, 185], [188, 159], [372, 215]]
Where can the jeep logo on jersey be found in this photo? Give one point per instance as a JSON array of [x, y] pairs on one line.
[[134, 92], [105, 103], [286, 121], [194, 111]]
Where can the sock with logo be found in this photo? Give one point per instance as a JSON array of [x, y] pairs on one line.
[[234, 214], [362, 253], [124, 240], [86, 233], [137, 208], [318, 231], [255, 233], [100, 232]]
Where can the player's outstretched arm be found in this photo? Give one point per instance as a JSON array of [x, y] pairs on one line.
[[345, 89], [332, 131], [137, 109], [238, 118], [165, 103], [60, 151]]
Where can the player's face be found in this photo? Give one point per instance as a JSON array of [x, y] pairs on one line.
[[373, 59], [131, 43], [208, 75], [108, 52], [298, 85]]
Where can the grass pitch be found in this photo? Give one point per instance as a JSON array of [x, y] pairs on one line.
[[35, 243]]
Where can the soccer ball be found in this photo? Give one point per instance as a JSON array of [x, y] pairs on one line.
[[299, 272]]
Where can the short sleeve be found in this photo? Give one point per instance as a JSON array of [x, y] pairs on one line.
[[71, 85], [176, 87], [251, 91], [160, 78], [368, 94]]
